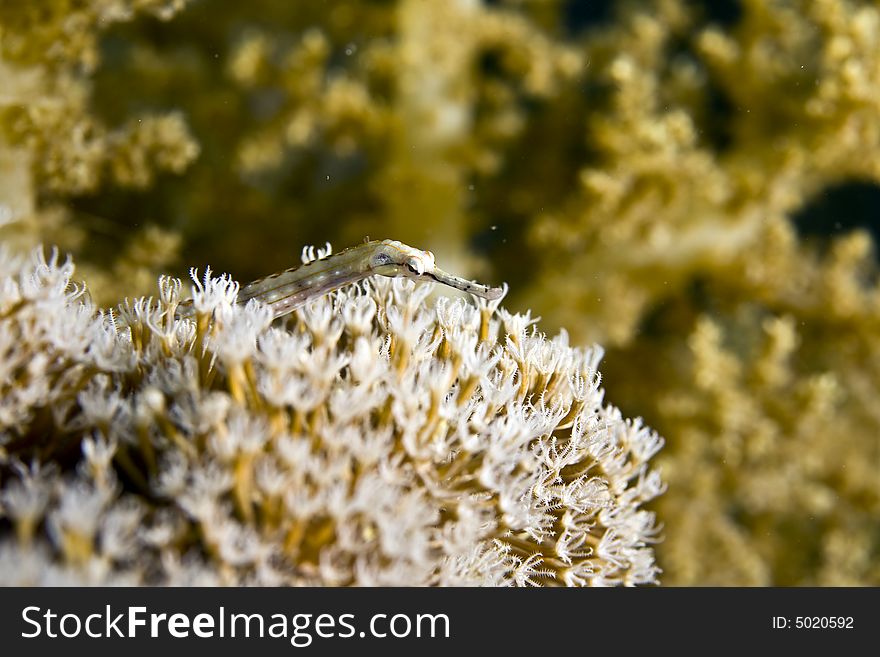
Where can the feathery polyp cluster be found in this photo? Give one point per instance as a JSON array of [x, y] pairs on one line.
[[373, 437]]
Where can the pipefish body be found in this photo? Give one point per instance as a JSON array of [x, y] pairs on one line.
[[286, 291]]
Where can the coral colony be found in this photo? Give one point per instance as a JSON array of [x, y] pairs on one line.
[[374, 438]]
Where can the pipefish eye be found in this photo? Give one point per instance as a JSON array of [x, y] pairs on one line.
[[415, 266]]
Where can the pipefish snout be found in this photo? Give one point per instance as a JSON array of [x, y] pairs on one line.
[[286, 291]]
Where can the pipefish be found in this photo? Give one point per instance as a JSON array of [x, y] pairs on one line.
[[286, 291]]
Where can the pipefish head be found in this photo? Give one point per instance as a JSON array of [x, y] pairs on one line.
[[393, 258]]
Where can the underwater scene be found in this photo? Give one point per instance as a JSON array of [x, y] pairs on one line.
[[440, 292]]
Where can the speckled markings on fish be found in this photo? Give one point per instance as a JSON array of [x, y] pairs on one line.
[[286, 291]]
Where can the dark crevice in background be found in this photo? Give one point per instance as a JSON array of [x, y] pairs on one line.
[[718, 129], [725, 13], [489, 63], [579, 15], [840, 209], [716, 111]]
